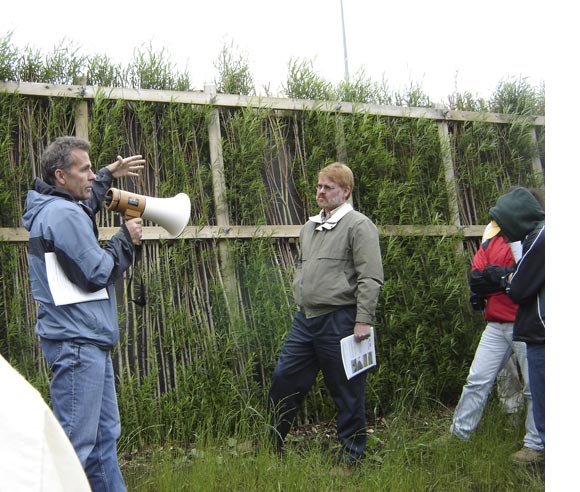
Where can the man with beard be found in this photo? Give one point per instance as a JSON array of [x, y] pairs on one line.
[[338, 278]]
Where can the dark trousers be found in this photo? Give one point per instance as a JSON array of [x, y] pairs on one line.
[[536, 371], [312, 345]]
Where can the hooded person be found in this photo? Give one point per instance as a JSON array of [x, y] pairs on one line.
[[521, 218], [496, 346]]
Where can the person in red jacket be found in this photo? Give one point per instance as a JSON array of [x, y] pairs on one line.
[[495, 346]]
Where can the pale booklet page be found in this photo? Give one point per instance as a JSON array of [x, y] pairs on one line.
[[358, 356], [62, 289]]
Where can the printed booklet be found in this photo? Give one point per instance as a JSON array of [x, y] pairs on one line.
[[358, 356]]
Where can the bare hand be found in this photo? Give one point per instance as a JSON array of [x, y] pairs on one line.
[[135, 228], [126, 166], [362, 331]]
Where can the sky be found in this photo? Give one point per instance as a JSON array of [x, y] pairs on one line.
[[443, 46]]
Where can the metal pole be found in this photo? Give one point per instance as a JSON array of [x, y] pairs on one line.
[[344, 44]]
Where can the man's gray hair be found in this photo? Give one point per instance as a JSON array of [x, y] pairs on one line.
[[57, 155]]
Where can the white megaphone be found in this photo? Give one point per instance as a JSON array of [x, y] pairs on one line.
[[170, 213]]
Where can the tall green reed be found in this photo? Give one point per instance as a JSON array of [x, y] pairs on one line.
[[186, 369]]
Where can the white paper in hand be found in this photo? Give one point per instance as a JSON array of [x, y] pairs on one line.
[[358, 356]]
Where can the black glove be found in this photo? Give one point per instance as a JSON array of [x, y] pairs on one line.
[[497, 275], [477, 301]]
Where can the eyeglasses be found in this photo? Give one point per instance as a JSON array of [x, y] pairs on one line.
[[320, 187]]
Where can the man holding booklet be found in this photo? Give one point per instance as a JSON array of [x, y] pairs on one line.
[[72, 279], [339, 275]]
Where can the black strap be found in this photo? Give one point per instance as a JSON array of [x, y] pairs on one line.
[[140, 297]]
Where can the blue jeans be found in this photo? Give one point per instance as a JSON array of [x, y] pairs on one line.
[[84, 401], [536, 367], [495, 347], [313, 344]]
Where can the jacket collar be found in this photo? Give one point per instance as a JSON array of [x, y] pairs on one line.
[[44, 188], [330, 222]]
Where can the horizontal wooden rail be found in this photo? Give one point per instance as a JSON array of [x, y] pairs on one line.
[[275, 103], [19, 234]]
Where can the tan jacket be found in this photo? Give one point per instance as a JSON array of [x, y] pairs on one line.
[[339, 266]]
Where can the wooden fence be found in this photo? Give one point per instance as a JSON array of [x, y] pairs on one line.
[[224, 229], [170, 339]]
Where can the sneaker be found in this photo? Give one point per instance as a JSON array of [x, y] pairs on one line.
[[528, 456]]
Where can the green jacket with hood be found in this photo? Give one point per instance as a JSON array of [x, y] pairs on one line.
[[521, 218]]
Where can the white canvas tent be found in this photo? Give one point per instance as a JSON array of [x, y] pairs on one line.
[[35, 453]]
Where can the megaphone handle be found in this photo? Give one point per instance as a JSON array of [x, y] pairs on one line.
[[131, 214]]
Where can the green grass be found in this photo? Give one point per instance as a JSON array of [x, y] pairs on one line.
[[403, 455]]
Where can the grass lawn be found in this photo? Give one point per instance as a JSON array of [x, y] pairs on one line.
[[405, 453]]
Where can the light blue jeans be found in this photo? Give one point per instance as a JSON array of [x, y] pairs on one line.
[[84, 401], [495, 347]]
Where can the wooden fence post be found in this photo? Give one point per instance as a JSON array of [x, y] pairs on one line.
[[221, 205], [341, 154], [82, 113], [536, 161], [450, 181]]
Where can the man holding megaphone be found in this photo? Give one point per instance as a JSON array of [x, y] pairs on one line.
[[72, 279]]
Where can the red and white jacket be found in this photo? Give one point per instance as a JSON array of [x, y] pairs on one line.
[[494, 251]]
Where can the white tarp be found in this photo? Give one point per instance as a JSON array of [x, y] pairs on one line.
[[35, 453]]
